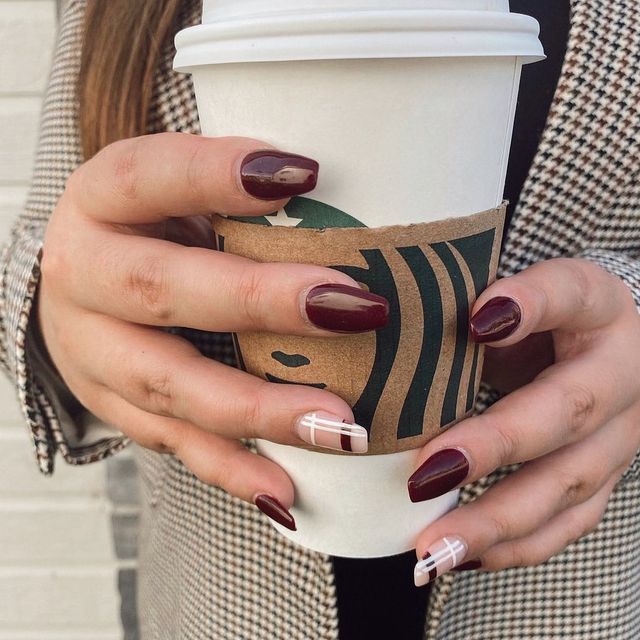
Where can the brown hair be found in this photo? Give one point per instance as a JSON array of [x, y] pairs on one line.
[[123, 41]]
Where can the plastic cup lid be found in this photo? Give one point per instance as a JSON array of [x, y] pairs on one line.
[[270, 30]]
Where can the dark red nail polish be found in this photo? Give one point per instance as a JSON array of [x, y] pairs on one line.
[[344, 309], [273, 175], [472, 565], [497, 320], [272, 508], [441, 473]]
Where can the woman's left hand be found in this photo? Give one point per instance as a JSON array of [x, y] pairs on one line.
[[565, 338]]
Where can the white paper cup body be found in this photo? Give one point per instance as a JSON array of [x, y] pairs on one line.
[[399, 140], [361, 509]]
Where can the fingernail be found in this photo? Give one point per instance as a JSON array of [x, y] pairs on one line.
[[497, 320], [440, 557], [472, 565], [438, 475], [273, 175], [323, 429], [272, 508], [343, 309]]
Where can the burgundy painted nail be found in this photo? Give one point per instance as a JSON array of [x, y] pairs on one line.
[[438, 475], [497, 320], [272, 508], [472, 565], [273, 175], [344, 309]]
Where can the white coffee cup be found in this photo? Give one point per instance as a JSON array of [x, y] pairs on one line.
[[409, 108]]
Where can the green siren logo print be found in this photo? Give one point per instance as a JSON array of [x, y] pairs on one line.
[[420, 373]]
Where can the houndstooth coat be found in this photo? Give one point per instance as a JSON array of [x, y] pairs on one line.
[[212, 567]]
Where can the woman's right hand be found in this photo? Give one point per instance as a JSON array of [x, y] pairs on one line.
[[112, 278]]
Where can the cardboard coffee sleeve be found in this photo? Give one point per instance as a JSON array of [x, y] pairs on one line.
[[419, 374]]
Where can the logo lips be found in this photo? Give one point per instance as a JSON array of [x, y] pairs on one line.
[[317, 385]]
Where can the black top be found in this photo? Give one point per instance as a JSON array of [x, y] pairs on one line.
[[376, 598]]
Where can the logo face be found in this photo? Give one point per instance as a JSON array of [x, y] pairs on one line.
[[420, 373]]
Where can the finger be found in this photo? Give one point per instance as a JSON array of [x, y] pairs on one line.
[[155, 282], [552, 538], [146, 179], [563, 293], [524, 501], [550, 413], [165, 375], [212, 459]]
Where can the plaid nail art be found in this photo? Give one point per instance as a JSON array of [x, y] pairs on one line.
[[440, 557], [326, 430]]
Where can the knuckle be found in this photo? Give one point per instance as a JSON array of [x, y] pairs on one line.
[[501, 526], [160, 446], [581, 405], [508, 444], [540, 297], [154, 443], [583, 286], [151, 435], [574, 489], [167, 443], [124, 158], [250, 295], [158, 392], [154, 392], [147, 283], [196, 169], [253, 413]]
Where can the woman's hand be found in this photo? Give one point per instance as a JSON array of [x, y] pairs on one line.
[[570, 332], [111, 278]]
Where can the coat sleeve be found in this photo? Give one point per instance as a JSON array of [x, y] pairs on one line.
[[54, 419]]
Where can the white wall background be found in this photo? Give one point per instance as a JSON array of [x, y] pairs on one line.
[[58, 567]]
